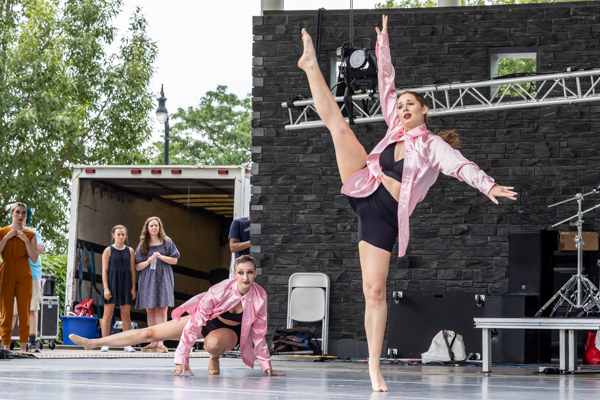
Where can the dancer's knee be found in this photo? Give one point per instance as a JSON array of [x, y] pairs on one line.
[[213, 345], [148, 334], [374, 292]]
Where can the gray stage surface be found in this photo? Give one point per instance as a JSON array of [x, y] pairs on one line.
[[148, 378]]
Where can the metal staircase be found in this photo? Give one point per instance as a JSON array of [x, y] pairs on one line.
[[569, 87]]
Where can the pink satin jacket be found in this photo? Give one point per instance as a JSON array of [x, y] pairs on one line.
[[425, 155], [218, 299]]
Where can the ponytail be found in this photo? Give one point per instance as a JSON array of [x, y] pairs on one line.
[[450, 137]]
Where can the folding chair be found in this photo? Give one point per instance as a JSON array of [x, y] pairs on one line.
[[308, 301]]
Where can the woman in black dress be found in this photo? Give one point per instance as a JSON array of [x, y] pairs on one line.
[[118, 279]]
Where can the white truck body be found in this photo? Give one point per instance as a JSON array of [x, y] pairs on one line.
[[195, 203]]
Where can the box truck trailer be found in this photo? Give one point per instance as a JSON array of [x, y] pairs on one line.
[[195, 203]]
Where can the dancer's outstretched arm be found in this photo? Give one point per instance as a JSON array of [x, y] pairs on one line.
[[351, 155], [170, 330]]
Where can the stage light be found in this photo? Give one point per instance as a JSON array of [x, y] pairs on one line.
[[358, 68]]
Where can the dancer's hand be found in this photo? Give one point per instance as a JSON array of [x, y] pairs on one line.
[[270, 372], [107, 294], [11, 234], [133, 294], [501, 191], [21, 235], [384, 30], [180, 370]]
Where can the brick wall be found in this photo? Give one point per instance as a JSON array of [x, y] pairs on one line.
[[301, 222]]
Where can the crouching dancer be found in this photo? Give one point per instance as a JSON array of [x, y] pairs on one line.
[[229, 313]]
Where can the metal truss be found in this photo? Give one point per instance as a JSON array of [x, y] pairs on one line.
[[545, 89]]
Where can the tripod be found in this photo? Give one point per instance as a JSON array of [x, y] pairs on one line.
[[579, 292]]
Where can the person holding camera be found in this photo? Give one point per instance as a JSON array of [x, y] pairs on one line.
[[154, 256], [385, 186]]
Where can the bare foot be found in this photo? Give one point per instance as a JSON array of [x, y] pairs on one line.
[[86, 343], [309, 57], [213, 366], [377, 380]]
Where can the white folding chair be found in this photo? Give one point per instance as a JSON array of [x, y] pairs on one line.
[[308, 301]]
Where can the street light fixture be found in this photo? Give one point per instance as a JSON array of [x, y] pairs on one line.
[[162, 116]]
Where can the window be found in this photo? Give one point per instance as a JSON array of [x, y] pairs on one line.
[[507, 61]]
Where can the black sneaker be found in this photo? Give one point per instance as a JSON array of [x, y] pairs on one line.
[[33, 348]]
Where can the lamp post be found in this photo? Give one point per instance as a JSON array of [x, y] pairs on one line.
[[162, 116]]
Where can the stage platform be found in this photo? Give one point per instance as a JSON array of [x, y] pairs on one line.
[[148, 378]]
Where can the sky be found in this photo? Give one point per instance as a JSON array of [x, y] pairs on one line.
[[205, 43]]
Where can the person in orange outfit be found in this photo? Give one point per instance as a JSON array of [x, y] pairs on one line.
[[17, 246]]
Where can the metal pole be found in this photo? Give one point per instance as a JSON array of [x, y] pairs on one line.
[[580, 244], [167, 141]]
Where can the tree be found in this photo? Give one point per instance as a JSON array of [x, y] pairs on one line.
[[433, 3], [216, 132], [64, 100]]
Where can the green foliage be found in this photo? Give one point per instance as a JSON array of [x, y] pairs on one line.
[[64, 100], [216, 132], [433, 3], [57, 265], [516, 65]]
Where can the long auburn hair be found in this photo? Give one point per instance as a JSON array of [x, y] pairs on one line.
[[450, 137], [145, 236]]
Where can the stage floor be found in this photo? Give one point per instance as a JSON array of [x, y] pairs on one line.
[[148, 378]]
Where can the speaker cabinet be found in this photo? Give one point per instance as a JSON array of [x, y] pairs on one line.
[[419, 316], [519, 346], [48, 317], [530, 263]]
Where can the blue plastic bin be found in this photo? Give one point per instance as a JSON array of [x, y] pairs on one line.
[[81, 326]]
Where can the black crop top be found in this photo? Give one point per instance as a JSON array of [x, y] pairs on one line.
[[232, 317], [389, 166]]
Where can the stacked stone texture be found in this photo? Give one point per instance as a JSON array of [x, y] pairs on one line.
[[459, 238]]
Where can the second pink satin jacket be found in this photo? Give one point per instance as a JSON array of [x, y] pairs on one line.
[[425, 155], [218, 299]]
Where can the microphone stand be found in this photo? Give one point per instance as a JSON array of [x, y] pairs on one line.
[[579, 292]]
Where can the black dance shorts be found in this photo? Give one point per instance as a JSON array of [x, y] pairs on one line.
[[216, 323], [377, 218]]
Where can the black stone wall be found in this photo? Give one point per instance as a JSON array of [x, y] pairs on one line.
[[301, 222]]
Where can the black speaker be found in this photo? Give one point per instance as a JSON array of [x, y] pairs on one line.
[[519, 346], [530, 263], [418, 316]]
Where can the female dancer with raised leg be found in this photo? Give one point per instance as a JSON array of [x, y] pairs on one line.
[[231, 312], [384, 187]]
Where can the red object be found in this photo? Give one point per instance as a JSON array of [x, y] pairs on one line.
[[136, 171], [85, 308], [223, 172], [90, 171], [156, 171], [176, 171], [591, 354]]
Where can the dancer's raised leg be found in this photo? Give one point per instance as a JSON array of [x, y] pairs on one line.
[[350, 154], [167, 331], [375, 264]]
